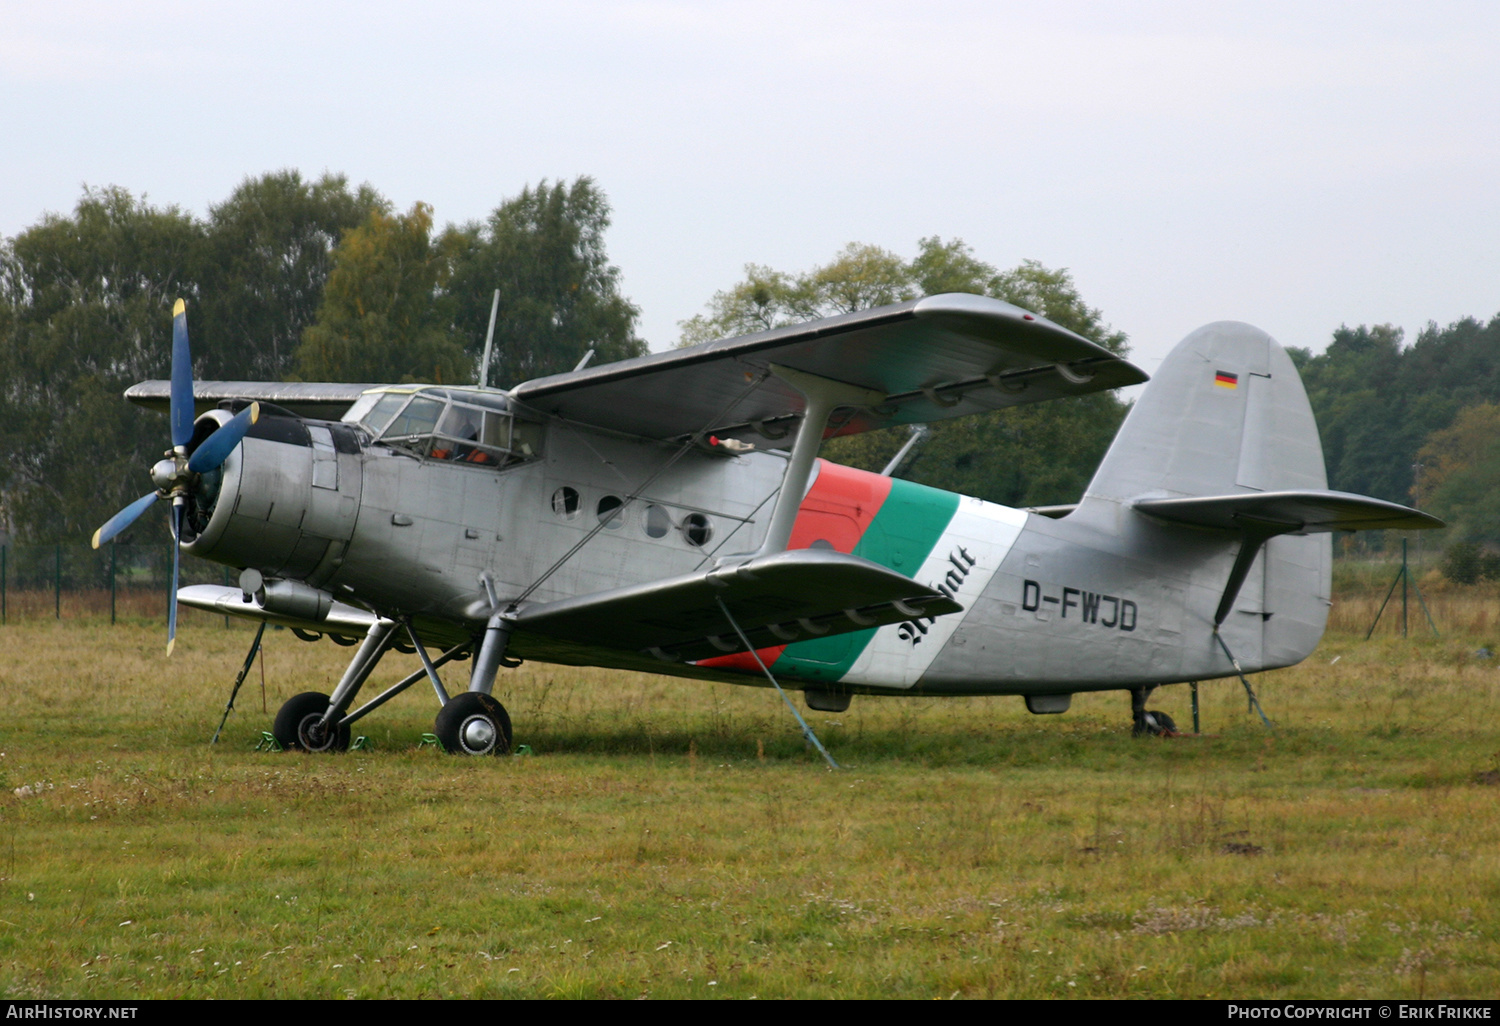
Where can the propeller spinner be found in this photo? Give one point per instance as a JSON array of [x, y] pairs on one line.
[[177, 476]]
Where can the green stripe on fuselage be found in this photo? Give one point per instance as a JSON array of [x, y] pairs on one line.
[[910, 522]]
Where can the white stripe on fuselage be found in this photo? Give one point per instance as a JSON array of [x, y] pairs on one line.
[[977, 540]]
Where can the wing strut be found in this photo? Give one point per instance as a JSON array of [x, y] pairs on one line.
[[807, 731], [249, 662], [823, 395]]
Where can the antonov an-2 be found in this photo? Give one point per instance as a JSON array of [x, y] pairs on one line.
[[669, 514]]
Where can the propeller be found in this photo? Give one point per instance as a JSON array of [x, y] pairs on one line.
[[177, 476]]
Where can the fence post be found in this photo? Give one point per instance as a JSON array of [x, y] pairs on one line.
[[111, 583], [57, 578], [4, 551]]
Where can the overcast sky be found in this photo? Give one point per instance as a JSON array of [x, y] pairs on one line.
[[1295, 165]]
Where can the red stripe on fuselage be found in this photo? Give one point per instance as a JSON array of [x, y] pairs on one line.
[[838, 509]]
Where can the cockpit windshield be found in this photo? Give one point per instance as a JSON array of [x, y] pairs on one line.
[[466, 426]]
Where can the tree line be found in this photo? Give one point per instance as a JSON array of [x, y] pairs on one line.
[[1417, 424], [315, 279], [287, 279]]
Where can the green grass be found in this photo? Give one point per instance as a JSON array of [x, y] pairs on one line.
[[676, 839]]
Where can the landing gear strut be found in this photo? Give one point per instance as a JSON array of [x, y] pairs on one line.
[[1148, 722], [471, 723]]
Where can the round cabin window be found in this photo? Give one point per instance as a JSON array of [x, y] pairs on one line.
[[658, 522], [608, 512], [697, 529], [565, 502]]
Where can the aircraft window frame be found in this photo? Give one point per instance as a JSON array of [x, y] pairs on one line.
[[477, 429]]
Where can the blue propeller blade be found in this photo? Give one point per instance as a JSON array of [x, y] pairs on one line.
[[176, 561], [123, 519], [217, 447], [182, 378]]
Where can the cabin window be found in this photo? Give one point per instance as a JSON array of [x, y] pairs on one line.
[[565, 503], [696, 529], [657, 521], [608, 512]]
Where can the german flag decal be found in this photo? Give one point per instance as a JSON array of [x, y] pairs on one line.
[[1224, 379]]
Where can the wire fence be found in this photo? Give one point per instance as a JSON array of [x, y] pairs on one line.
[[79, 582]]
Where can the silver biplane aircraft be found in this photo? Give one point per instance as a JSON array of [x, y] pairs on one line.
[[670, 514]]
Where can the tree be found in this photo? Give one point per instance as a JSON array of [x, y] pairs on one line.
[[1459, 476], [766, 299], [559, 295], [383, 315], [87, 303], [268, 253], [1028, 455]]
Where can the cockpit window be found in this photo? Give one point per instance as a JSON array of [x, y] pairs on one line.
[[417, 418], [382, 412], [467, 426]]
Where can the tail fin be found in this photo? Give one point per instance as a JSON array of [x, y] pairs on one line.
[[1225, 413], [1225, 416]]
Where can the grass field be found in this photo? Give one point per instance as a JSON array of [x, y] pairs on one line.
[[672, 839]]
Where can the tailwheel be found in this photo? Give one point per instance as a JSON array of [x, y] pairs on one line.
[[1148, 722], [297, 727], [473, 723], [1154, 723]]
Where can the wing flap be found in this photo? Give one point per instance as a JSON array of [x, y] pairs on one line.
[[933, 358], [794, 595], [1293, 512]]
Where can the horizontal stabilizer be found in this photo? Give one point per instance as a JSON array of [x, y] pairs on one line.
[[1295, 512], [320, 400], [799, 594], [220, 600], [933, 358]]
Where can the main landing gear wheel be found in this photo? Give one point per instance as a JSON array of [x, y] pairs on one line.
[[296, 725], [473, 724]]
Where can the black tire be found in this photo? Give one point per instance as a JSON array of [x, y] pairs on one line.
[[1154, 723], [294, 724], [473, 724]]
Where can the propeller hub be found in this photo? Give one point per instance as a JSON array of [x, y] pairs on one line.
[[165, 474]]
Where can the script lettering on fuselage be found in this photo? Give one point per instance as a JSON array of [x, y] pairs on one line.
[[1090, 607], [912, 630]]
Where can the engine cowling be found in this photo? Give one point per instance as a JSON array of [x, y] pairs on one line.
[[285, 502]]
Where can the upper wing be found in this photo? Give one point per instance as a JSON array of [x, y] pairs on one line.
[[321, 400], [1300, 512], [934, 358]]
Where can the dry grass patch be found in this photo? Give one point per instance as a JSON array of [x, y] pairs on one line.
[[672, 838]]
